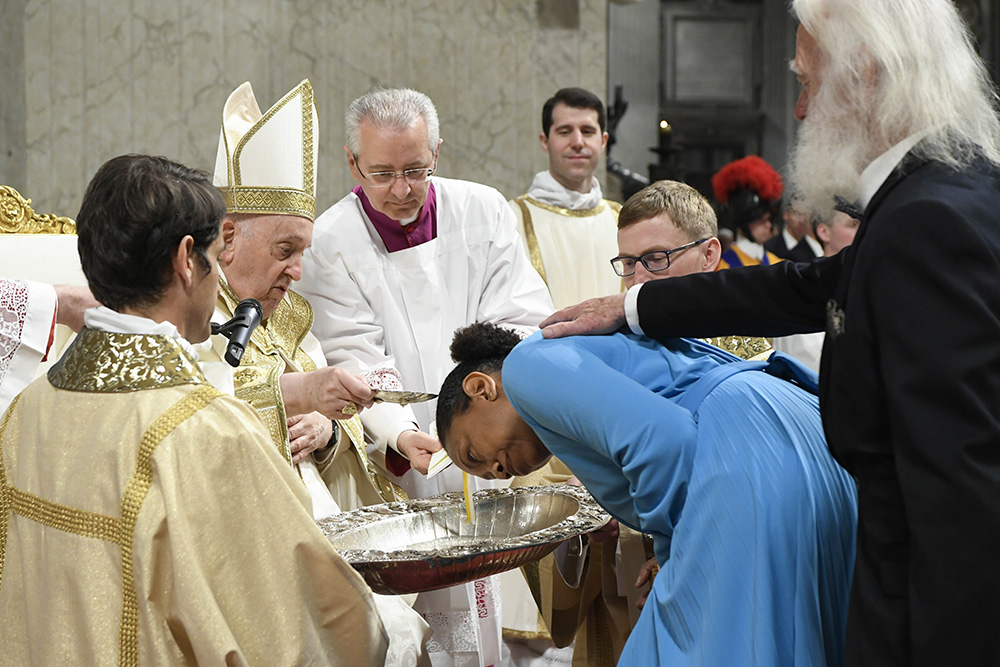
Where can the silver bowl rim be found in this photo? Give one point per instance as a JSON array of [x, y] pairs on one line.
[[587, 517]]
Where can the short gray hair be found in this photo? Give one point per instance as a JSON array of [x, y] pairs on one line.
[[391, 108]]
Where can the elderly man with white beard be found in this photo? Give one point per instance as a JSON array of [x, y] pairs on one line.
[[899, 115]]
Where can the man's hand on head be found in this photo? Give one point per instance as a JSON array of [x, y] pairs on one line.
[[418, 447], [602, 315]]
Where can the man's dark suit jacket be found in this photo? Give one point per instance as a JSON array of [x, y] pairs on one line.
[[910, 396], [801, 252]]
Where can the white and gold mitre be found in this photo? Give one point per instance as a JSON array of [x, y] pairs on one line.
[[267, 162]]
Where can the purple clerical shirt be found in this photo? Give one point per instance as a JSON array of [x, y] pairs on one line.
[[400, 237]]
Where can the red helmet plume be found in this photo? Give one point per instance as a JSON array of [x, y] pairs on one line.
[[748, 173]]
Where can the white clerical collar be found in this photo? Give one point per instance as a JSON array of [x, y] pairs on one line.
[[876, 173], [545, 188], [752, 249], [816, 246], [790, 241], [103, 318]]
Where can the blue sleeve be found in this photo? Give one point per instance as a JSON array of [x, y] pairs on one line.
[[631, 448]]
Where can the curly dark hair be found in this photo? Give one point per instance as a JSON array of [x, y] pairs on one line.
[[478, 347]]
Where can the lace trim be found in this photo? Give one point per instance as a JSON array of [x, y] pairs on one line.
[[13, 312]]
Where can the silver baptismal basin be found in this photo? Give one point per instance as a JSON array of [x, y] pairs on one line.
[[426, 543]]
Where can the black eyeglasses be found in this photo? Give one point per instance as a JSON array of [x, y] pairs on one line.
[[658, 260], [384, 179]]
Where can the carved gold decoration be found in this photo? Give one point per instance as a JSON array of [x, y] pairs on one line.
[[745, 347], [17, 216]]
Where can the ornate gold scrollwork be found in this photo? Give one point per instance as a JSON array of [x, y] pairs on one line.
[[17, 216]]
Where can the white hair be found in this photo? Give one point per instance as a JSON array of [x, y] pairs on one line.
[[905, 66], [391, 108]]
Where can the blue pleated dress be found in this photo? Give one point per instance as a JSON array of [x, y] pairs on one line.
[[752, 520]]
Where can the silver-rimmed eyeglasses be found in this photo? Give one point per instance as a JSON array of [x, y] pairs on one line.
[[385, 179], [658, 260]]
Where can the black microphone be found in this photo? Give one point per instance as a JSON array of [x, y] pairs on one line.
[[246, 317]]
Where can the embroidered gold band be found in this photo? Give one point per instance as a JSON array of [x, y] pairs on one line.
[[534, 252], [273, 201]]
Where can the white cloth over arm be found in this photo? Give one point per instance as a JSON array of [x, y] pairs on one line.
[[27, 313]]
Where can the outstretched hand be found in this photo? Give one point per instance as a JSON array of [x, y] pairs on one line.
[[71, 302], [602, 315]]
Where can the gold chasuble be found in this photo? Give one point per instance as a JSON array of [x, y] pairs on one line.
[[284, 344], [145, 518]]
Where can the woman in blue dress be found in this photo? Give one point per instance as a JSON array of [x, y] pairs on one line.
[[721, 461]]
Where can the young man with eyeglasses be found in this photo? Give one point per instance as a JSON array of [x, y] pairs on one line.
[[669, 229], [566, 224], [395, 268]]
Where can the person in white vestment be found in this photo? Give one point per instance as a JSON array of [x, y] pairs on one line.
[[567, 226], [29, 312], [569, 232], [395, 268]]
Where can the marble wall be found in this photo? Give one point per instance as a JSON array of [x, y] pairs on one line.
[[85, 80]]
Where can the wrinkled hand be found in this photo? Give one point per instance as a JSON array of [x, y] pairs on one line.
[[307, 433], [325, 390], [646, 573], [71, 302], [417, 446], [594, 316]]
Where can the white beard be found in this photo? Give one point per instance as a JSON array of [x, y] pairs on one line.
[[830, 153]]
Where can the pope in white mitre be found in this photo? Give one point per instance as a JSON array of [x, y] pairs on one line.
[[266, 172]]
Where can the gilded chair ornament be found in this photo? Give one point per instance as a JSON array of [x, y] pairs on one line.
[[17, 216]]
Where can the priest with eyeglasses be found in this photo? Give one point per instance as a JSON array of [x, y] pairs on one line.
[[395, 268]]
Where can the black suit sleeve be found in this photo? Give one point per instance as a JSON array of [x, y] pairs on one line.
[[778, 300]]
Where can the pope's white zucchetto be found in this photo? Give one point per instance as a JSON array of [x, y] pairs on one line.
[[267, 162]]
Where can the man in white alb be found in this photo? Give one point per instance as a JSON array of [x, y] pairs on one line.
[[568, 228], [395, 267]]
